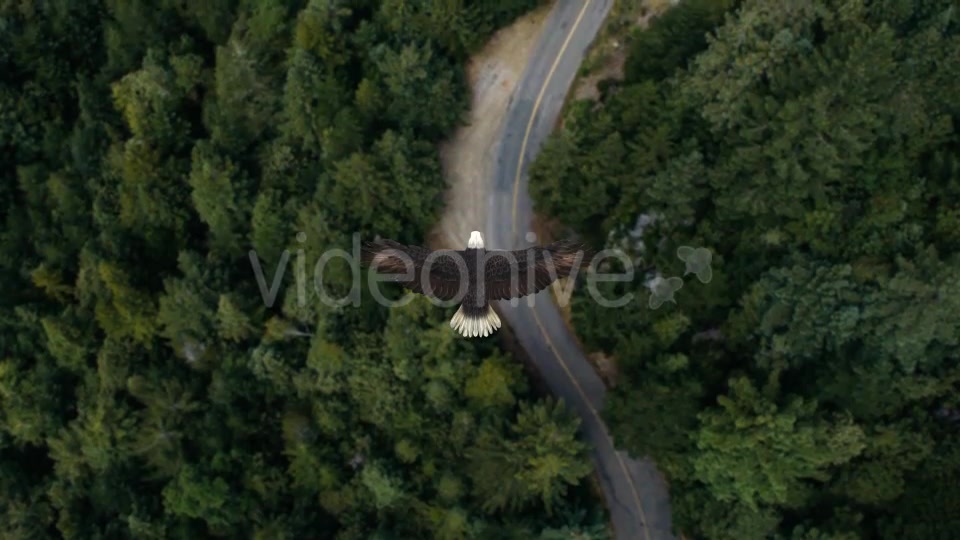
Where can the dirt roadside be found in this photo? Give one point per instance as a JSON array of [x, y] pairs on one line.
[[466, 158]]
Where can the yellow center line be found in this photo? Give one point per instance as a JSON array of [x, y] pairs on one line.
[[623, 466], [536, 106], [516, 188]]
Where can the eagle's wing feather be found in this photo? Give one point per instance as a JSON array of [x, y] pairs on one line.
[[408, 262], [536, 268]]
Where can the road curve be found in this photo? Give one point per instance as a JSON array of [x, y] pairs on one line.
[[635, 492]]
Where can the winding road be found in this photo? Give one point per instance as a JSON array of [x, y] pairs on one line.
[[635, 492]]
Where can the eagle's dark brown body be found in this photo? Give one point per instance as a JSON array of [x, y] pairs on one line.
[[475, 276]]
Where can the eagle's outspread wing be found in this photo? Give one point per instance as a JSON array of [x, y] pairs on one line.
[[408, 264], [514, 274]]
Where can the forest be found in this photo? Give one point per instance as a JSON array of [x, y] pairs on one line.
[[810, 389], [147, 389]]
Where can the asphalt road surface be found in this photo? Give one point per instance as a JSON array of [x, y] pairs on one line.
[[635, 492]]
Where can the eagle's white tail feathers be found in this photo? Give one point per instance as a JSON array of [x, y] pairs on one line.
[[484, 325]]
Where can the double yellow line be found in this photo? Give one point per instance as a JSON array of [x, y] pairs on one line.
[[543, 331]]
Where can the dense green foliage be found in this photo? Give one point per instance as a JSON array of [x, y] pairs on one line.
[[147, 390], [810, 389]]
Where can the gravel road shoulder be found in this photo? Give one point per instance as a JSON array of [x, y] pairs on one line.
[[493, 74]]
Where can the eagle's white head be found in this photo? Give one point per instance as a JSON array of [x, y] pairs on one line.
[[475, 241]]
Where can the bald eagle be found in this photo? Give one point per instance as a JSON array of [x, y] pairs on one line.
[[475, 275]]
